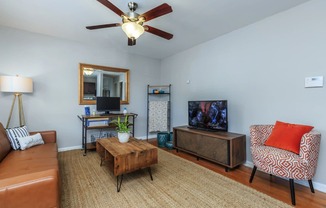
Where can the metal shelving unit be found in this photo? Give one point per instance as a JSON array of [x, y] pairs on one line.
[[159, 93], [85, 126]]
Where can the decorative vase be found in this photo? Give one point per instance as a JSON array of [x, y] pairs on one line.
[[123, 137], [125, 111]]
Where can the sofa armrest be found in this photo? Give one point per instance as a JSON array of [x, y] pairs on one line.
[[309, 146], [39, 189], [259, 134], [49, 136]]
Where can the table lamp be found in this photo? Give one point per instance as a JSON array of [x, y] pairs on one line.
[[17, 85]]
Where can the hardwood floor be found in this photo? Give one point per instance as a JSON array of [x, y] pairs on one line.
[[271, 185]]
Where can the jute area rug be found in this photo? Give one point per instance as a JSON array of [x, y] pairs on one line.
[[177, 183]]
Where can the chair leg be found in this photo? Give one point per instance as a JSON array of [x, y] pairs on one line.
[[292, 191], [252, 174], [311, 186]]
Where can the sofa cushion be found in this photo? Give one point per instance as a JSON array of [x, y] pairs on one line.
[[40, 189], [30, 141], [35, 159], [14, 134], [287, 136], [48, 150], [18, 168], [4, 143]]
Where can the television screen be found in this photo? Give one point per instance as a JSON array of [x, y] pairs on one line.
[[210, 115], [108, 104]]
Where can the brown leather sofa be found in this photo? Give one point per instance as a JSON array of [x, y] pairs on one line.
[[29, 178]]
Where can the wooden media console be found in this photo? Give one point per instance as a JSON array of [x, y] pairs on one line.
[[225, 148]]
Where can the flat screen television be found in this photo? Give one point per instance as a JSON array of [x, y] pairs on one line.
[[107, 104], [208, 115]]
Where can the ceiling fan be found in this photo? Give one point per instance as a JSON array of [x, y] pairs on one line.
[[132, 22]]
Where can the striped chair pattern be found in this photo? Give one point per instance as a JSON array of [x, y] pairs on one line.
[[283, 163]]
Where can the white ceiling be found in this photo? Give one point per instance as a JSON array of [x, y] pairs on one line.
[[191, 22]]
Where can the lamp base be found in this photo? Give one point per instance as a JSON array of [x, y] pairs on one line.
[[20, 110]]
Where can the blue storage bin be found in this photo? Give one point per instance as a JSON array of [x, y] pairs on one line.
[[162, 138], [169, 145], [171, 137]]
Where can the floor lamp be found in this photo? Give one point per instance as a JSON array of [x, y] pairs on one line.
[[18, 86]]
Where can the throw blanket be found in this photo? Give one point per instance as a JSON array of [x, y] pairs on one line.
[[158, 116]]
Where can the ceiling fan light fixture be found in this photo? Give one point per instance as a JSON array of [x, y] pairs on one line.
[[132, 22], [133, 29]]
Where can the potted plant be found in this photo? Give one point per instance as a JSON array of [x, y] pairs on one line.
[[122, 129]]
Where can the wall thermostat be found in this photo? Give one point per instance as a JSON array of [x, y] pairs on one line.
[[317, 81]]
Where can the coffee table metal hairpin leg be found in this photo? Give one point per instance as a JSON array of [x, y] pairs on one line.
[[102, 158], [150, 172], [119, 184]]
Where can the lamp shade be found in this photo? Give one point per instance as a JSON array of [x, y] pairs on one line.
[[132, 29], [16, 84]]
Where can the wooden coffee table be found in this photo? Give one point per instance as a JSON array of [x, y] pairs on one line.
[[126, 157]]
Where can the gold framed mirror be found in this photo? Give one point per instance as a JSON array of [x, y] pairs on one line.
[[104, 81]]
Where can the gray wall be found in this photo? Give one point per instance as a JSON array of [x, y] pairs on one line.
[[52, 63], [260, 70]]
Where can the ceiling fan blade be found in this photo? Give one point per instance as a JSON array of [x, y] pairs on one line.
[[157, 12], [94, 27], [111, 6], [158, 32], [131, 41]]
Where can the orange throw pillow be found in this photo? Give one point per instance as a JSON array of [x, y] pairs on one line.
[[287, 136]]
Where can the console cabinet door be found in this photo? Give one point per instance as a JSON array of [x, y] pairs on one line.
[[214, 149], [188, 141]]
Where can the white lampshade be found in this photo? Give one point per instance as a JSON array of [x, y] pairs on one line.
[[132, 29], [16, 84]]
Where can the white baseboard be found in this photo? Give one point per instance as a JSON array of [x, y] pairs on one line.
[[63, 149], [317, 186], [149, 137]]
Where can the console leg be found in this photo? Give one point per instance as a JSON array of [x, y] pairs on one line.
[[226, 169], [119, 183]]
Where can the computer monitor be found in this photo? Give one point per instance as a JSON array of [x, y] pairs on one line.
[[107, 104]]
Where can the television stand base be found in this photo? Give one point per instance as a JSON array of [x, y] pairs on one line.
[[224, 148]]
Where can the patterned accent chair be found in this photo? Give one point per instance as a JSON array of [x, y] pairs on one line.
[[284, 163]]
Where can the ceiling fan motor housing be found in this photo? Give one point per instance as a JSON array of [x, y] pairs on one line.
[[132, 6], [131, 16]]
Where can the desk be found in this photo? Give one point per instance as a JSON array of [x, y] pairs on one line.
[[86, 120]]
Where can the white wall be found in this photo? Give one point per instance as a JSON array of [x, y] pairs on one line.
[[52, 63], [260, 70]]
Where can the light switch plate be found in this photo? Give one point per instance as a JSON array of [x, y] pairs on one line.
[[317, 81]]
